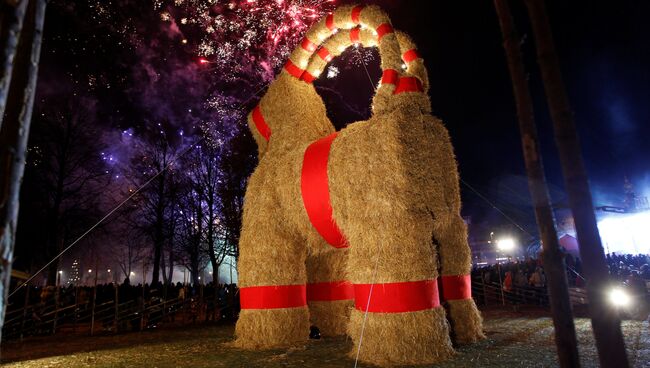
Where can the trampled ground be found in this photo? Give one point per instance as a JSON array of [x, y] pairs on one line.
[[514, 340]]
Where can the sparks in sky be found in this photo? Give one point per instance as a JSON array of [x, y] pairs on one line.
[[227, 32]]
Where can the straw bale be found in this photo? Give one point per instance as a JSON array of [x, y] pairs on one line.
[[270, 328], [331, 317], [465, 320], [401, 338]]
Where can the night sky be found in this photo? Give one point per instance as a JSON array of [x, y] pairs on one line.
[[134, 64]]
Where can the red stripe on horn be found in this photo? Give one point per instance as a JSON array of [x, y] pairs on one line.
[[329, 22], [330, 291], [273, 297], [314, 186], [293, 69], [389, 76], [397, 297], [308, 45], [307, 77], [383, 30], [325, 54], [260, 123], [354, 35], [411, 55], [408, 84], [356, 12], [456, 287]]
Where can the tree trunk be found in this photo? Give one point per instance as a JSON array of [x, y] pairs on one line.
[[12, 14], [565, 334], [604, 319], [13, 138]]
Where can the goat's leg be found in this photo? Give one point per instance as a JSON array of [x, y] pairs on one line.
[[397, 317], [450, 233], [329, 294], [273, 296]]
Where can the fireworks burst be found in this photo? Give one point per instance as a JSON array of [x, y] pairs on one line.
[[245, 37]]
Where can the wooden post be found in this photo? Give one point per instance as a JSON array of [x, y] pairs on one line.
[[57, 297], [92, 312], [604, 319], [76, 306], [25, 305], [117, 306], [14, 132], [565, 334]]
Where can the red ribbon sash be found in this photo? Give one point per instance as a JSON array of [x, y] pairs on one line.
[[260, 123], [456, 287], [272, 297], [315, 191], [397, 297], [330, 291]]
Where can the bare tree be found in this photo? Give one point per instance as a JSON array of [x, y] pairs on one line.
[[14, 132], [157, 154], [12, 14], [68, 172], [565, 334], [605, 321]]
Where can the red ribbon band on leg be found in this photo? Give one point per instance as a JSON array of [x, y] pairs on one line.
[[456, 287], [408, 84], [356, 12], [314, 186], [273, 297], [260, 123], [330, 291], [383, 30], [397, 297], [411, 55]]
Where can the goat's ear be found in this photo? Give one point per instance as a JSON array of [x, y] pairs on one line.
[[260, 129]]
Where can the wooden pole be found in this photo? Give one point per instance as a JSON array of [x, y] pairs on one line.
[[92, 313], [26, 304], [604, 319], [117, 306], [565, 334], [14, 132], [57, 297]]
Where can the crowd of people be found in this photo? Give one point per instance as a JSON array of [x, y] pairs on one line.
[[517, 276]]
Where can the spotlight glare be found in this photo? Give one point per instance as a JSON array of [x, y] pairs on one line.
[[619, 298]]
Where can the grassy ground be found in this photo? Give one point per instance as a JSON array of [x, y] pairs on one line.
[[514, 340]]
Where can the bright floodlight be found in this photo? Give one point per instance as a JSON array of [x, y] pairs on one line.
[[619, 298], [506, 244]]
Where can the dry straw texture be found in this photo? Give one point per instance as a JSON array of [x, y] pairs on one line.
[[393, 184]]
